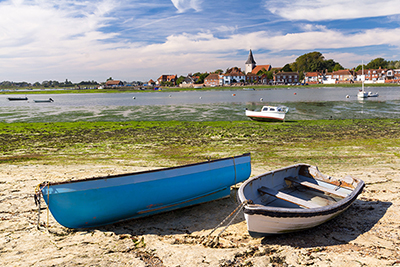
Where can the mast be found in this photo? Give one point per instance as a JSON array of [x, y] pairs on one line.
[[362, 76]]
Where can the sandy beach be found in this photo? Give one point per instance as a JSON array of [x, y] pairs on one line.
[[367, 234]]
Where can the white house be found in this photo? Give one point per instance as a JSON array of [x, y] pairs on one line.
[[235, 75]]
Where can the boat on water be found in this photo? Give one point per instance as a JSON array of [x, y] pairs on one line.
[[268, 113], [17, 98], [294, 198], [361, 92], [100, 201], [43, 100], [370, 94]]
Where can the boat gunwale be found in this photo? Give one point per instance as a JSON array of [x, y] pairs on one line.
[[140, 172], [258, 209]]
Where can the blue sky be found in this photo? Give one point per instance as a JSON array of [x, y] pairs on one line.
[[141, 40]]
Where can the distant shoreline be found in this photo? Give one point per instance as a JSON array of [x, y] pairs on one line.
[[179, 89]]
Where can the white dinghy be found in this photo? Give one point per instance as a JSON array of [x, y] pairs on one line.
[[295, 198]]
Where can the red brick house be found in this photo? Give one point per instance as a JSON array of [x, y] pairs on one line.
[[343, 75], [313, 77], [167, 78], [261, 67], [212, 80], [252, 78], [114, 83], [286, 77]]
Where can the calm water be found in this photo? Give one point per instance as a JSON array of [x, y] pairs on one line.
[[304, 103]]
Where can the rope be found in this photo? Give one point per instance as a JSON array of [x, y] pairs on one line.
[[48, 204], [38, 192], [214, 242]]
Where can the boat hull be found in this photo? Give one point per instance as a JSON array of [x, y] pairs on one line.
[[267, 214], [265, 116], [262, 225], [100, 201], [43, 101]]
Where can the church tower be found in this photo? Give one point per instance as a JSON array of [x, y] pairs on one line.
[[250, 63]]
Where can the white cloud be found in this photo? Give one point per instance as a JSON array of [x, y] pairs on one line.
[[42, 37], [184, 5], [317, 10], [41, 40]]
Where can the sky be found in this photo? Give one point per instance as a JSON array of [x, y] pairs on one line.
[[134, 40]]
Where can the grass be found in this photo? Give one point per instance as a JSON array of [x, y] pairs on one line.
[[330, 143]]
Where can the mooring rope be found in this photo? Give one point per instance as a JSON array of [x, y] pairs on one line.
[[38, 192], [213, 242]]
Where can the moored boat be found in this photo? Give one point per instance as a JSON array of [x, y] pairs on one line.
[[104, 200], [268, 113], [294, 198], [17, 98], [43, 100], [362, 94], [370, 94]]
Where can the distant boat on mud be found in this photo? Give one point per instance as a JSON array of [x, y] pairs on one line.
[[17, 98], [43, 100]]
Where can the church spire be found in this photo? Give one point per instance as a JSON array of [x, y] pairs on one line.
[[250, 63], [250, 59]]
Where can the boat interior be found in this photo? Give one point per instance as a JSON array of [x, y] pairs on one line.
[[300, 191]]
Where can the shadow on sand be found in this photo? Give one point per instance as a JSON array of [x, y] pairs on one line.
[[359, 218], [182, 221]]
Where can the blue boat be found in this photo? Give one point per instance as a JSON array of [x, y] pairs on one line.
[[100, 201]]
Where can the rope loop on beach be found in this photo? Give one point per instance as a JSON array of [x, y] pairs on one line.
[[214, 241], [38, 193]]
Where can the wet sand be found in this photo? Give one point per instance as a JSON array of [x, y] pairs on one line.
[[367, 234]]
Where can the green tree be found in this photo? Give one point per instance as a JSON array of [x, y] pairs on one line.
[[202, 76], [270, 75], [180, 80], [330, 65], [376, 63], [262, 72], [314, 61], [359, 67], [287, 68], [337, 67], [309, 62], [167, 83]]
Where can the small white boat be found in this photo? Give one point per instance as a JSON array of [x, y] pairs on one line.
[[268, 113], [362, 94], [370, 94], [294, 198], [43, 100]]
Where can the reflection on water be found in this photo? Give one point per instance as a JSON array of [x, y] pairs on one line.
[[304, 104]]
